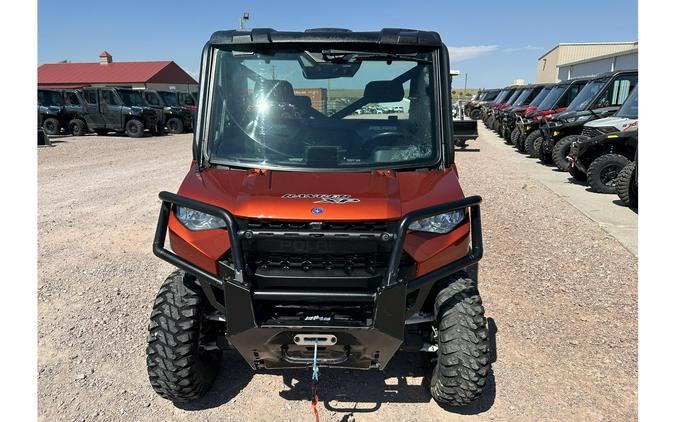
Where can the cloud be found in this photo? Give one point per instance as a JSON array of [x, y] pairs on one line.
[[458, 54], [526, 48]]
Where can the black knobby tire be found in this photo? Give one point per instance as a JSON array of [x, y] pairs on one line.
[[51, 126], [515, 136], [489, 121], [175, 125], [178, 368], [561, 150], [135, 128], [603, 172], [498, 127], [475, 114], [538, 148], [625, 186], [463, 357], [529, 142], [77, 127]]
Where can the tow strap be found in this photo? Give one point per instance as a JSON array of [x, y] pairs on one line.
[[315, 381]]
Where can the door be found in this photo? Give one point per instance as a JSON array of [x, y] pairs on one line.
[[616, 92], [73, 104], [93, 115], [111, 108]]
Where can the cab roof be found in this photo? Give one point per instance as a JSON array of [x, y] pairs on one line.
[[386, 36]]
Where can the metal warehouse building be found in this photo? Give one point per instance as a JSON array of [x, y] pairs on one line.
[[584, 59], [160, 75]]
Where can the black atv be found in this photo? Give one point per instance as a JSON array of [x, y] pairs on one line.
[[488, 109], [175, 118], [120, 110], [601, 97]]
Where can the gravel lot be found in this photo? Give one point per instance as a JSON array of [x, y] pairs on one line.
[[562, 292]]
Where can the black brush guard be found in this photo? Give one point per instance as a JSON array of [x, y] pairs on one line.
[[272, 346]]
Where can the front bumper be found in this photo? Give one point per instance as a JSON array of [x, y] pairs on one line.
[[269, 344]]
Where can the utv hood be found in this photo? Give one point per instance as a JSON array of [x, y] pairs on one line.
[[620, 123], [327, 196]]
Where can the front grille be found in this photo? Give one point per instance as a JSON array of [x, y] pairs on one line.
[[591, 132], [334, 255], [361, 226]]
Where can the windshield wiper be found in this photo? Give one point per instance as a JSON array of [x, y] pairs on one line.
[[339, 56]]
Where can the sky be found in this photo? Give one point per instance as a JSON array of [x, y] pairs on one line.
[[491, 42]]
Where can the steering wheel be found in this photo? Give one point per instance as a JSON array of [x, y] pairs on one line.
[[380, 139]]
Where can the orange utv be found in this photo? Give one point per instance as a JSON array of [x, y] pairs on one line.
[[321, 222]]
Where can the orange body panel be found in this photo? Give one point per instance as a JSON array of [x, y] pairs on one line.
[[382, 195]]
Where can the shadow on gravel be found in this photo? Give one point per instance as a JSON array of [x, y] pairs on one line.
[[468, 150]]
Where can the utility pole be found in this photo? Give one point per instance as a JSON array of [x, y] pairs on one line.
[[466, 76], [243, 18]]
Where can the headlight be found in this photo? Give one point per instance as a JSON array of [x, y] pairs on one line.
[[441, 223], [195, 220]]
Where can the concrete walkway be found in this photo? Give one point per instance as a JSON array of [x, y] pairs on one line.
[[607, 210]]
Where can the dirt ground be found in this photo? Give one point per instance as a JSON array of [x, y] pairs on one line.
[[561, 291]]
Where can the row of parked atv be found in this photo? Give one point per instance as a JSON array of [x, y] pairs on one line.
[[586, 126], [102, 110]]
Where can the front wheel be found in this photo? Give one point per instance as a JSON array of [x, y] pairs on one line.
[[604, 171], [181, 366], [463, 356], [135, 128], [475, 114], [515, 136], [626, 187], [51, 126], [561, 150], [529, 143]]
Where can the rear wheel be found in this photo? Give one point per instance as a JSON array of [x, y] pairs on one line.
[[175, 125], [529, 142], [561, 150], [77, 127], [180, 368], [135, 128], [463, 360], [625, 186], [475, 114], [51, 126], [604, 171]]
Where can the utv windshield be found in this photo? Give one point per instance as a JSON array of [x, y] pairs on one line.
[[629, 109], [513, 97], [131, 98], [50, 98], [322, 109], [169, 98], [502, 95], [522, 97], [585, 96], [540, 97], [490, 96], [552, 98]]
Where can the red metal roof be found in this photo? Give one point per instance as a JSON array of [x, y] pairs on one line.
[[116, 72]]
